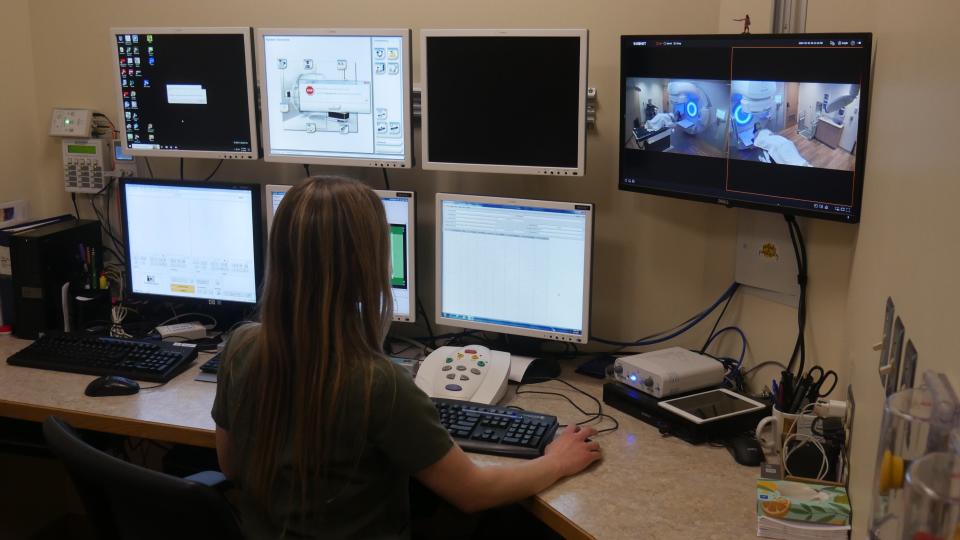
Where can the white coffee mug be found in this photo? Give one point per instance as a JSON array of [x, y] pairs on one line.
[[770, 432]]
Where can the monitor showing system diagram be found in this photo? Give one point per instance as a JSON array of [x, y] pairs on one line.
[[335, 96]]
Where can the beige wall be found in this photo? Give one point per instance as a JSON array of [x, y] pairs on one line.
[[908, 245], [18, 141], [658, 259]]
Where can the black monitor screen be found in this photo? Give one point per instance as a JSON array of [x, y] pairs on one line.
[[185, 92], [774, 122], [504, 100]]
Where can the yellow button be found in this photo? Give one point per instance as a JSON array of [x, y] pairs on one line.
[[182, 288]]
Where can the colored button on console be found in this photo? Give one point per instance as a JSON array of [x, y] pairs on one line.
[[481, 363], [470, 351], [453, 387]]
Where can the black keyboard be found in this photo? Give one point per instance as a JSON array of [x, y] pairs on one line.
[[153, 361], [212, 365], [487, 429]]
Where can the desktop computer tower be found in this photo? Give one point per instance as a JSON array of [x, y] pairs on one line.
[[46, 259]]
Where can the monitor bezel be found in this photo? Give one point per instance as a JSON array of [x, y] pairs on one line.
[[429, 164], [404, 33], [411, 248], [506, 329], [254, 151], [256, 211], [862, 133]]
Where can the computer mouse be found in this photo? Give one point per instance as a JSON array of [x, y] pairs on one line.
[[745, 450], [540, 369], [111, 386]]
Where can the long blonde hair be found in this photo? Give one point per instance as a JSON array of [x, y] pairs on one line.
[[325, 309]]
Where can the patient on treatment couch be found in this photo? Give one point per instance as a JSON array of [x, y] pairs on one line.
[[778, 149], [658, 122]]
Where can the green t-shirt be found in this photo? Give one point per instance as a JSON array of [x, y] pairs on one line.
[[367, 494]]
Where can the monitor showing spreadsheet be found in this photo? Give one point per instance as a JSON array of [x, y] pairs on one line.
[[514, 266]]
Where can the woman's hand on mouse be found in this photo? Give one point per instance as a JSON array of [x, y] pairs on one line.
[[572, 451]]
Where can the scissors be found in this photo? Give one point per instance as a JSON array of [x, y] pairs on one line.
[[816, 390]]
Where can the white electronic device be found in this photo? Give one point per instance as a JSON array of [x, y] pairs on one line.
[[71, 123], [668, 372], [711, 406], [472, 373], [86, 163]]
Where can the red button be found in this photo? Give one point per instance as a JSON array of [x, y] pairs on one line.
[[470, 351], [309, 90]]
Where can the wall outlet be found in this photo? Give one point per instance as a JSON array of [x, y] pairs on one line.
[[14, 212], [765, 260]]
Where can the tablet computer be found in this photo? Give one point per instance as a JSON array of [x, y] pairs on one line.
[[711, 406]]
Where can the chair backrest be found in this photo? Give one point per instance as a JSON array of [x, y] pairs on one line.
[[126, 501]]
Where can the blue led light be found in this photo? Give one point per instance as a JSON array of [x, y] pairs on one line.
[[692, 108], [737, 115], [633, 377]]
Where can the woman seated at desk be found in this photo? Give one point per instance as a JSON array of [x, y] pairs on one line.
[[320, 431]]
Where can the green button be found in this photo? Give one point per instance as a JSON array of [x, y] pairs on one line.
[[481, 363], [449, 360]]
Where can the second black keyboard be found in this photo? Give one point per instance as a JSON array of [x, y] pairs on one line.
[[502, 431], [144, 360]]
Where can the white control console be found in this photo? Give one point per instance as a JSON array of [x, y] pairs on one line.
[[472, 373], [668, 372], [71, 123]]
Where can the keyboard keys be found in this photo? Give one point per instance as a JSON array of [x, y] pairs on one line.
[[495, 430]]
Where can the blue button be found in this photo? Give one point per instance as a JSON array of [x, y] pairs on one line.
[[453, 387]]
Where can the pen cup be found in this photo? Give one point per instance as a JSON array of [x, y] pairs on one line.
[[933, 498], [770, 431]]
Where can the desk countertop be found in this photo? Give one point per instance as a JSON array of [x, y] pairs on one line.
[[646, 486]]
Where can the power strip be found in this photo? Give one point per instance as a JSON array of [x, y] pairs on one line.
[[182, 331]]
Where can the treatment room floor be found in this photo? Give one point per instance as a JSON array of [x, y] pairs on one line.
[[819, 154]]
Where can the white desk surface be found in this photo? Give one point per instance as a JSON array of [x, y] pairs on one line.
[[646, 486]]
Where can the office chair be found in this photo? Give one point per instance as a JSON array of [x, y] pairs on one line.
[[124, 501]]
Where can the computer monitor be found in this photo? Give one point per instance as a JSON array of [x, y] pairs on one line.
[[400, 207], [273, 195], [185, 92], [335, 96], [504, 101], [514, 266], [772, 122], [192, 240]]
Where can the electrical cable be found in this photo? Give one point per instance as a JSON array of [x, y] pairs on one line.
[[716, 323], [306, 168], [684, 327], [386, 180], [215, 169], [149, 168], [799, 349], [743, 338], [76, 209], [426, 319], [593, 416], [763, 364]]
